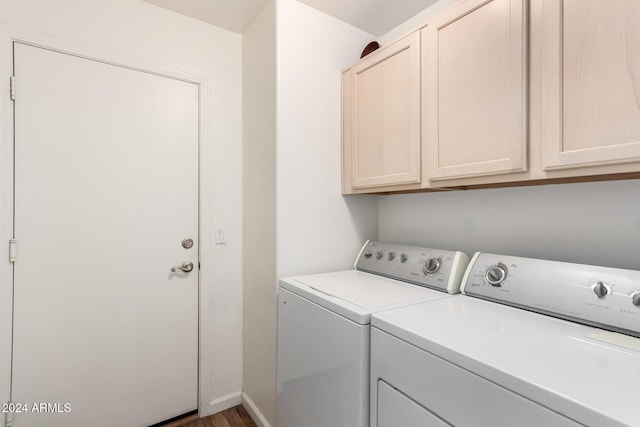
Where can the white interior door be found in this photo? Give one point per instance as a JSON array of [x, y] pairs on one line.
[[106, 189]]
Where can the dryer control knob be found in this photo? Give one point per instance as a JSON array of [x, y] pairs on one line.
[[432, 265], [601, 290], [635, 299], [391, 256], [379, 255], [496, 274], [403, 258]]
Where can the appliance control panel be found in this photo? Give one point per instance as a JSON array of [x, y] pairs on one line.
[[432, 268], [600, 296]]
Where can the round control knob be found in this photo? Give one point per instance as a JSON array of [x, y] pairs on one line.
[[379, 255], [403, 258], [432, 265], [601, 290], [635, 299], [496, 274], [367, 254], [391, 256]]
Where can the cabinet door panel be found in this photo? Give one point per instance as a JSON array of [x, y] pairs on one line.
[[475, 93], [385, 121], [591, 82]]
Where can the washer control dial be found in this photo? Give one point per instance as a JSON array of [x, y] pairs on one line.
[[403, 258], [635, 299], [379, 255], [601, 290], [432, 265], [496, 274]]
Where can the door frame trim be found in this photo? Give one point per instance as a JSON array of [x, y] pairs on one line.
[[10, 34]]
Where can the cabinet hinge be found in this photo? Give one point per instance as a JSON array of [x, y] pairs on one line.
[[12, 250], [8, 418], [12, 87]]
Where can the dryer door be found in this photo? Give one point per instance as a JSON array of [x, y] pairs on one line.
[[396, 409], [459, 397]]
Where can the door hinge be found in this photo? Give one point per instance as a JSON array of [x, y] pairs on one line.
[[12, 87], [12, 250], [8, 418]]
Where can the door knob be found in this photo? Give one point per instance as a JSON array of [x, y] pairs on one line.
[[186, 267]]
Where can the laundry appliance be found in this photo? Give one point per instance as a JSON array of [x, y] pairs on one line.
[[530, 343], [324, 328]]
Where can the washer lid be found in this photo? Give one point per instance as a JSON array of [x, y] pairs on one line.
[[590, 375], [356, 294]]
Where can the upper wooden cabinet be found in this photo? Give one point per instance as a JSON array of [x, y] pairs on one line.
[[590, 82], [493, 92], [475, 91], [381, 118]]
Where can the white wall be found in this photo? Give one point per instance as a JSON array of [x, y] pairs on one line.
[[416, 22], [141, 32], [318, 229], [259, 213], [315, 229], [590, 223]]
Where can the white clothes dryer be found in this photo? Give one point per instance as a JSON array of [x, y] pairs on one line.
[[324, 328], [468, 361]]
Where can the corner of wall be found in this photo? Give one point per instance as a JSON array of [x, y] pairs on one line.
[[259, 221], [254, 412]]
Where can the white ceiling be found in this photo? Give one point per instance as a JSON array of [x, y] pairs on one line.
[[232, 15], [373, 16]]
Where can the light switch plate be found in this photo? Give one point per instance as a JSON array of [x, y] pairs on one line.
[[220, 235]]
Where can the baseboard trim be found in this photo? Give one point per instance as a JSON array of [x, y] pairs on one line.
[[221, 403], [254, 412]]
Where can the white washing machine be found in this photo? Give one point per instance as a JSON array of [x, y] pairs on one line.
[[469, 361], [324, 328]]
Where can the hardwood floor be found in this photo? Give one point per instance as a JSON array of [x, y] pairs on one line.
[[234, 417]]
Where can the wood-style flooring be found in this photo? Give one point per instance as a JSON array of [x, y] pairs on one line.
[[234, 417]]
